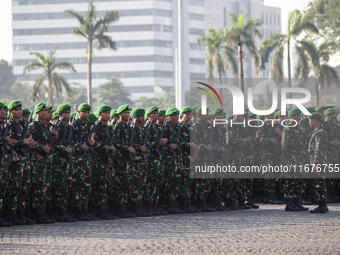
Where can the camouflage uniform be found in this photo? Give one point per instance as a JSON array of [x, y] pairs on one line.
[[186, 181], [318, 155], [62, 173], [3, 168], [41, 172]]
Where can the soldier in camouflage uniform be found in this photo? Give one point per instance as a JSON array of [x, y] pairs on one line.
[[62, 174], [102, 168], [4, 141], [292, 155], [203, 155], [82, 176], [41, 161], [122, 180], [268, 139], [318, 155], [17, 165]]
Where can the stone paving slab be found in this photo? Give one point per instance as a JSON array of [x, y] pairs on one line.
[[268, 230]]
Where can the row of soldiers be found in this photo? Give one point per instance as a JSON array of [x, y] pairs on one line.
[[58, 166]]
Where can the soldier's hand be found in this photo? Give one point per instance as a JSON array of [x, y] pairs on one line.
[[223, 149], [112, 149], [46, 149], [335, 142], [131, 150], [173, 146], [11, 141], [68, 149], [182, 166], [209, 147], [163, 141], [56, 134], [249, 139], [15, 156], [143, 148], [31, 142], [193, 145], [91, 142], [274, 141], [197, 149], [27, 141], [84, 147]]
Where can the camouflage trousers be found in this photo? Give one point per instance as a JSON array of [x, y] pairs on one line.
[[229, 188], [24, 198], [41, 183], [200, 189], [99, 191], [62, 180], [15, 176], [82, 178], [186, 181], [320, 189], [138, 181], [172, 179], [3, 180], [293, 188], [154, 180], [122, 181]]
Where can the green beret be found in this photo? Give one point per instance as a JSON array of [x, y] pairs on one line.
[[329, 111], [92, 118], [63, 108], [185, 109], [25, 112], [294, 111], [84, 107], [104, 108], [14, 104], [277, 114], [319, 108], [39, 107], [193, 109], [122, 108], [216, 111], [338, 118], [230, 117], [171, 111], [151, 110], [73, 113], [8, 115], [146, 116], [315, 115], [161, 112], [55, 115], [2, 105], [49, 107], [199, 110], [5, 106], [137, 112], [34, 116], [260, 117], [113, 113], [310, 109]]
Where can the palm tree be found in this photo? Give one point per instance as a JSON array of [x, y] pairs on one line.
[[315, 61], [244, 31], [297, 23], [94, 30], [55, 82]]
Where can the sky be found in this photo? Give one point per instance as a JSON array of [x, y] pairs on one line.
[[6, 26]]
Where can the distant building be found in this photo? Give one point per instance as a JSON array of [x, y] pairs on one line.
[[146, 36]]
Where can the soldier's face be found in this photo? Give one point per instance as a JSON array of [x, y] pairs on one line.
[[186, 116], [66, 115], [42, 114], [203, 118], [161, 119], [297, 118], [124, 116], [313, 123], [84, 115], [49, 115], [270, 116], [16, 113], [3, 113], [25, 118], [322, 113], [140, 120], [153, 116], [173, 119], [105, 116]]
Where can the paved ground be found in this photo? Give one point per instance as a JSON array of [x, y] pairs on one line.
[[268, 230]]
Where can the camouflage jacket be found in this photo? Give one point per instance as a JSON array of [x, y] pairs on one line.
[[317, 147], [291, 145], [121, 140], [39, 133], [79, 135], [102, 137], [263, 136]]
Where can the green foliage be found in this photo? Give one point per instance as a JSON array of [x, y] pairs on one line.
[[112, 93]]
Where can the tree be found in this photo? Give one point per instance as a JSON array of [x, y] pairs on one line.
[[246, 32], [7, 78], [316, 61], [297, 23], [112, 93], [326, 15], [215, 46], [93, 30], [55, 82]]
